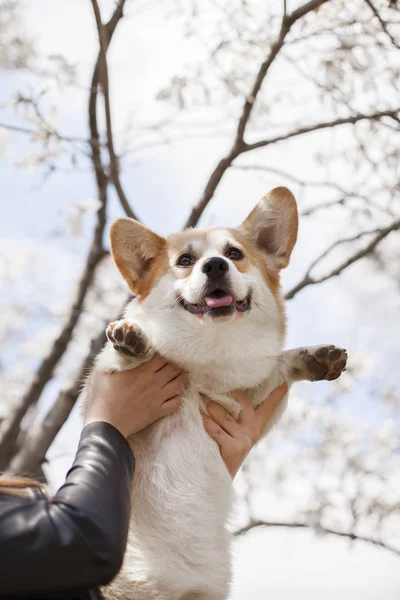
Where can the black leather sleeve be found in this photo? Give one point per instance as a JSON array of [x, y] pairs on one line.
[[76, 540]]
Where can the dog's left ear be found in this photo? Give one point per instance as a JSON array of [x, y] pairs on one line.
[[273, 225]]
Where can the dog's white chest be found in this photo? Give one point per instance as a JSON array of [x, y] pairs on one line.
[[181, 499]]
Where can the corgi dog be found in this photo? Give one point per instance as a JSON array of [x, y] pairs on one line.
[[209, 301]]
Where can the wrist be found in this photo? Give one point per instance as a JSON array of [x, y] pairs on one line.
[[102, 418]]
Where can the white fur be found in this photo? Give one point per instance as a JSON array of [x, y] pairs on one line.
[[182, 493]]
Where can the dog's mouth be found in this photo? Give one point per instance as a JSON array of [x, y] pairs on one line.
[[217, 303]]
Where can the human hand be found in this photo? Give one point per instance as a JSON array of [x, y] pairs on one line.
[[132, 400], [236, 438]]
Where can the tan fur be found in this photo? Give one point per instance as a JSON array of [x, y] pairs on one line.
[[266, 237], [273, 224], [270, 275], [177, 242], [140, 255], [158, 268], [178, 546]]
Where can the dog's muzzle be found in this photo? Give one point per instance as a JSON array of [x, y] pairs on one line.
[[217, 303]]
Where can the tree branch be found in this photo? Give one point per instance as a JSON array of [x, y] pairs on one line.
[[102, 67], [33, 452], [49, 133], [239, 146], [308, 280], [325, 125], [382, 23], [346, 195], [319, 529], [9, 428], [286, 24]]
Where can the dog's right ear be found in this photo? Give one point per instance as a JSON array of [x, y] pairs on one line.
[[135, 250]]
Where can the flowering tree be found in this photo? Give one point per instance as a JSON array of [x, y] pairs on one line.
[[339, 94]]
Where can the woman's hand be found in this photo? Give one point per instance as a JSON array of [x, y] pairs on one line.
[[132, 400], [236, 438]]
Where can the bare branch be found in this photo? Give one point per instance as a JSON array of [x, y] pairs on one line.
[[33, 452], [287, 22], [102, 67], [302, 11], [308, 280], [345, 195], [49, 132], [338, 243], [319, 529], [210, 188], [382, 23], [239, 145], [173, 140], [325, 125], [9, 428]]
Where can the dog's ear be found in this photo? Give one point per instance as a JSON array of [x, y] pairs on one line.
[[136, 250], [273, 225]]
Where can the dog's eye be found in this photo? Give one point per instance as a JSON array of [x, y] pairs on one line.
[[234, 254], [186, 260]]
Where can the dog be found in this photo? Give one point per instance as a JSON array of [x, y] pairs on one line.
[[209, 301]]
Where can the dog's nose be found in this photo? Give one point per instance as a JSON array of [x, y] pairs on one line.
[[215, 267]]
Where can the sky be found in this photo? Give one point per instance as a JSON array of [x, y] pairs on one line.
[[163, 183]]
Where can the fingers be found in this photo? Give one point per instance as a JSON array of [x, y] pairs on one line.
[[150, 366], [166, 374], [170, 406], [156, 363], [266, 410], [174, 387], [222, 418], [215, 431]]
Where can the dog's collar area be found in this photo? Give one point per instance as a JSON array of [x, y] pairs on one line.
[[217, 309]]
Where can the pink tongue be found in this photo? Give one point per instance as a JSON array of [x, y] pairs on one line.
[[217, 302]]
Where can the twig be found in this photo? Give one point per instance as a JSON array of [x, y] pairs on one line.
[[338, 243], [319, 529], [102, 32], [382, 23], [173, 140], [345, 194], [49, 133], [308, 280], [325, 125]]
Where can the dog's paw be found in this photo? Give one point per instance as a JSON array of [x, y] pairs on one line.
[[128, 338], [323, 362]]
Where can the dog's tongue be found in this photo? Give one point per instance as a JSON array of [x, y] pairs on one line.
[[217, 302]]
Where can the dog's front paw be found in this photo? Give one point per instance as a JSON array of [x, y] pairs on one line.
[[128, 338], [323, 362]]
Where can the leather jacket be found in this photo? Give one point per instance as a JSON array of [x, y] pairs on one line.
[[68, 546]]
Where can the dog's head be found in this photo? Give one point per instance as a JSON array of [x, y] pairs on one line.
[[212, 276]]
